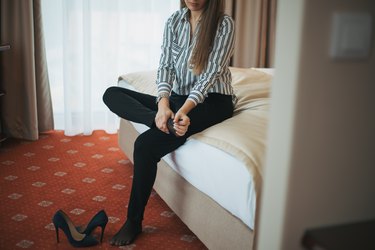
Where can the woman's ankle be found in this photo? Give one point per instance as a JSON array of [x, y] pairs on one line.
[[134, 222]]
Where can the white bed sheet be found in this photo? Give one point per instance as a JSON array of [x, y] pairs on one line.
[[215, 173]]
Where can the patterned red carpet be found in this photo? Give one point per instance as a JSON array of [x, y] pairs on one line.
[[79, 175]]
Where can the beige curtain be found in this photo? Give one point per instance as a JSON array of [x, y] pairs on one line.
[[255, 32], [26, 109]]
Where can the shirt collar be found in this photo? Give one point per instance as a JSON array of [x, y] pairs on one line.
[[185, 15]]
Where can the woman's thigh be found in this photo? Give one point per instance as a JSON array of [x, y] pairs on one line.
[[131, 105], [156, 143], [118, 96], [215, 109]]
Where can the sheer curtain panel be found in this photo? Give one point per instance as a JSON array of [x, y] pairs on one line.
[[89, 44]]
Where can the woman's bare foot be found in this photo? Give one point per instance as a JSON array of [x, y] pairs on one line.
[[127, 234]]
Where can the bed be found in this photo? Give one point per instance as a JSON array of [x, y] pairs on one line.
[[216, 196]]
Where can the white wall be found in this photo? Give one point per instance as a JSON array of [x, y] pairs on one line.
[[320, 166]]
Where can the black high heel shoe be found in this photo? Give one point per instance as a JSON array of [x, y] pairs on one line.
[[99, 220], [76, 239]]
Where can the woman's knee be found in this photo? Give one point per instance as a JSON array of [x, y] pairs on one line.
[[108, 94], [142, 146]]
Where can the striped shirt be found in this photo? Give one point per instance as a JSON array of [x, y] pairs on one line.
[[175, 73]]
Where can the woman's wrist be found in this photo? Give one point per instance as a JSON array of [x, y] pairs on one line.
[[187, 107], [162, 95], [163, 103]]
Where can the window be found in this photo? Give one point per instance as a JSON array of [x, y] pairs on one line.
[[89, 43]]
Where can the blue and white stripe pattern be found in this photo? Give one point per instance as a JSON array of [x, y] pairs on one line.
[[175, 73]]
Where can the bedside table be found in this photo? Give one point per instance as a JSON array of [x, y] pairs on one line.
[[350, 236]]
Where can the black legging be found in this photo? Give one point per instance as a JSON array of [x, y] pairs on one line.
[[153, 144]]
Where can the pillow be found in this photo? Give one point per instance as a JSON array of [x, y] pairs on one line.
[[250, 86], [141, 81]]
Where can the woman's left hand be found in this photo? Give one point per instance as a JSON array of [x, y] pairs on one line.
[[181, 123]]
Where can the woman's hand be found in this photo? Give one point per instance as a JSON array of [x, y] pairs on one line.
[[181, 120], [181, 123], [163, 114]]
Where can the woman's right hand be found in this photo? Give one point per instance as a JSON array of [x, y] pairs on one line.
[[163, 114]]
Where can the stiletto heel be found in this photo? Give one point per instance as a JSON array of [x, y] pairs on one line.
[[102, 234], [76, 239], [57, 234], [99, 220]]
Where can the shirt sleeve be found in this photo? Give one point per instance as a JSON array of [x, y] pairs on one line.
[[165, 74], [219, 57]]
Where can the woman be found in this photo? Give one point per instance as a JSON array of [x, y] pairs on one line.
[[194, 93]]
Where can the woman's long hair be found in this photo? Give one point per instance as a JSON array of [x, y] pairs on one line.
[[210, 19]]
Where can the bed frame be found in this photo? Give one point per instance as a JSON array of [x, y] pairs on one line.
[[212, 224]]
